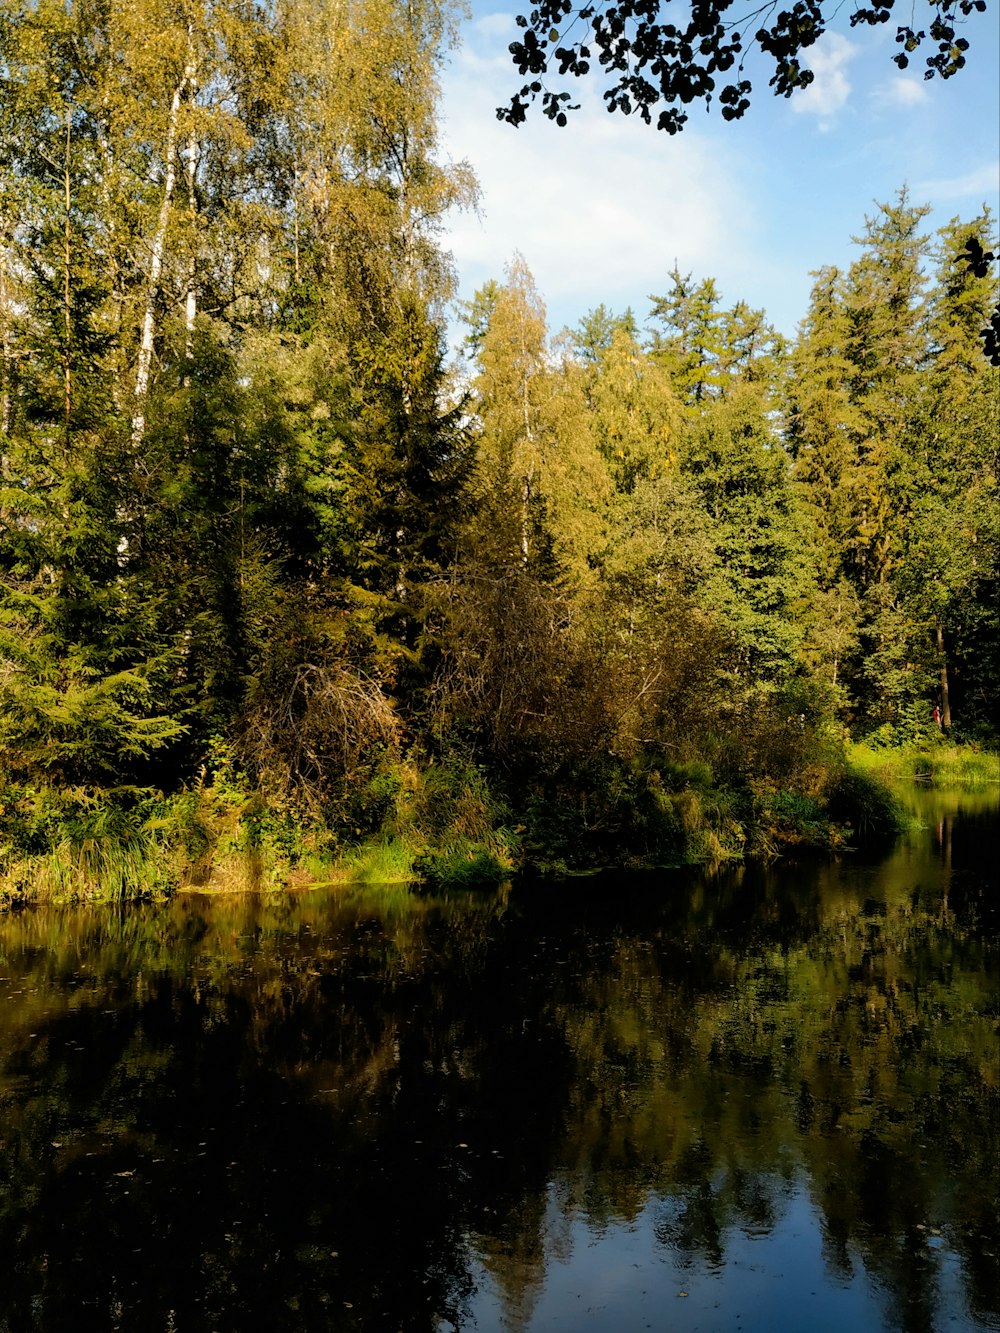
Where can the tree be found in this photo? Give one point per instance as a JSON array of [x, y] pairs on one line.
[[950, 572], [405, 460], [708, 351], [543, 480], [655, 58], [738, 468], [821, 426], [86, 673], [690, 344], [637, 416], [890, 413], [510, 336], [217, 225]]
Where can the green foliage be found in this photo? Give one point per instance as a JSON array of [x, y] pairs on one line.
[[383, 862], [74, 725], [739, 471], [610, 812], [454, 799], [872, 815], [261, 553], [372, 803], [79, 843], [892, 427], [783, 820], [474, 868]]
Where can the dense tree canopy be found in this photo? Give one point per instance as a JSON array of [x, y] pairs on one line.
[[252, 522]]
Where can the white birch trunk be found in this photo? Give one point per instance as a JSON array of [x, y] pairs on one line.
[[191, 295], [67, 289], [145, 359], [6, 348], [529, 439]]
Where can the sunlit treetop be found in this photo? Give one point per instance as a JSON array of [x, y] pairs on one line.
[[662, 56]]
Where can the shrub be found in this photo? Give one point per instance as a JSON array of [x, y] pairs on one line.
[[867, 806], [475, 868], [82, 843]]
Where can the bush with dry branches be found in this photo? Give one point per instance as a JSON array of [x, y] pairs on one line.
[[313, 733]]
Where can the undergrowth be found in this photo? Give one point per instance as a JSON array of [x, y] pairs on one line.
[[446, 823]]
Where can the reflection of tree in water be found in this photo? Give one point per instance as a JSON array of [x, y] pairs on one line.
[[243, 1150], [717, 1060], [311, 1113]]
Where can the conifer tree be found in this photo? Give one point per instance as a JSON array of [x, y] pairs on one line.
[[637, 416], [690, 343], [821, 427], [739, 471], [86, 675], [950, 574]]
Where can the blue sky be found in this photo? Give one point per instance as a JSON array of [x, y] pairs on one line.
[[602, 208]]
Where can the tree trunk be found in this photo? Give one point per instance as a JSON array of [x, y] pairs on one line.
[[145, 360], [525, 530], [295, 227], [67, 289], [6, 349], [945, 701], [191, 295]]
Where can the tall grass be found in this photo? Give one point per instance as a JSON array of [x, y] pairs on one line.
[[385, 861], [940, 764], [109, 871], [80, 844]]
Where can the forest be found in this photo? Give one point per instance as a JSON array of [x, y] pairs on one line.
[[289, 586]]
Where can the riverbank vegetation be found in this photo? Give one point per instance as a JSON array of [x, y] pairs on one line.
[[934, 762], [287, 596]]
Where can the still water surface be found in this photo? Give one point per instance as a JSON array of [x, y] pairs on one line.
[[762, 1100]]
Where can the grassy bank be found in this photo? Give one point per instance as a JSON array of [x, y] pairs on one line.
[[445, 824], [934, 762], [441, 825]]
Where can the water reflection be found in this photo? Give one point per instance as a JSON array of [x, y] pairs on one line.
[[758, 1101]]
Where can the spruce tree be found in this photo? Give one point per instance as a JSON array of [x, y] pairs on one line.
[[738, 468]]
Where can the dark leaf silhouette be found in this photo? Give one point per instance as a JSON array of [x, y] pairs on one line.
[[662, 66]]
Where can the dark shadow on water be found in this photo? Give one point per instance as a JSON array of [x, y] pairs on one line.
[[717, 1100]]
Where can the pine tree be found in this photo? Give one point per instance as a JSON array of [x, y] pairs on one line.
[[950, 574], [854, 430], [885, 349]]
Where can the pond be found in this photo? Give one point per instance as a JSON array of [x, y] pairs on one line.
[[760, 1099]]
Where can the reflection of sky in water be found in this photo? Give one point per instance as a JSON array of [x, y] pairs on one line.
[[623, 1279]]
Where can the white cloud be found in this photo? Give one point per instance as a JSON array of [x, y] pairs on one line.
[[830, 88], [494, 25], [980, 183], [904, 91], [600, 210]]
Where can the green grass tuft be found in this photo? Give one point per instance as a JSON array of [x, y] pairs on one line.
[[385, 861], [475, 868]]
